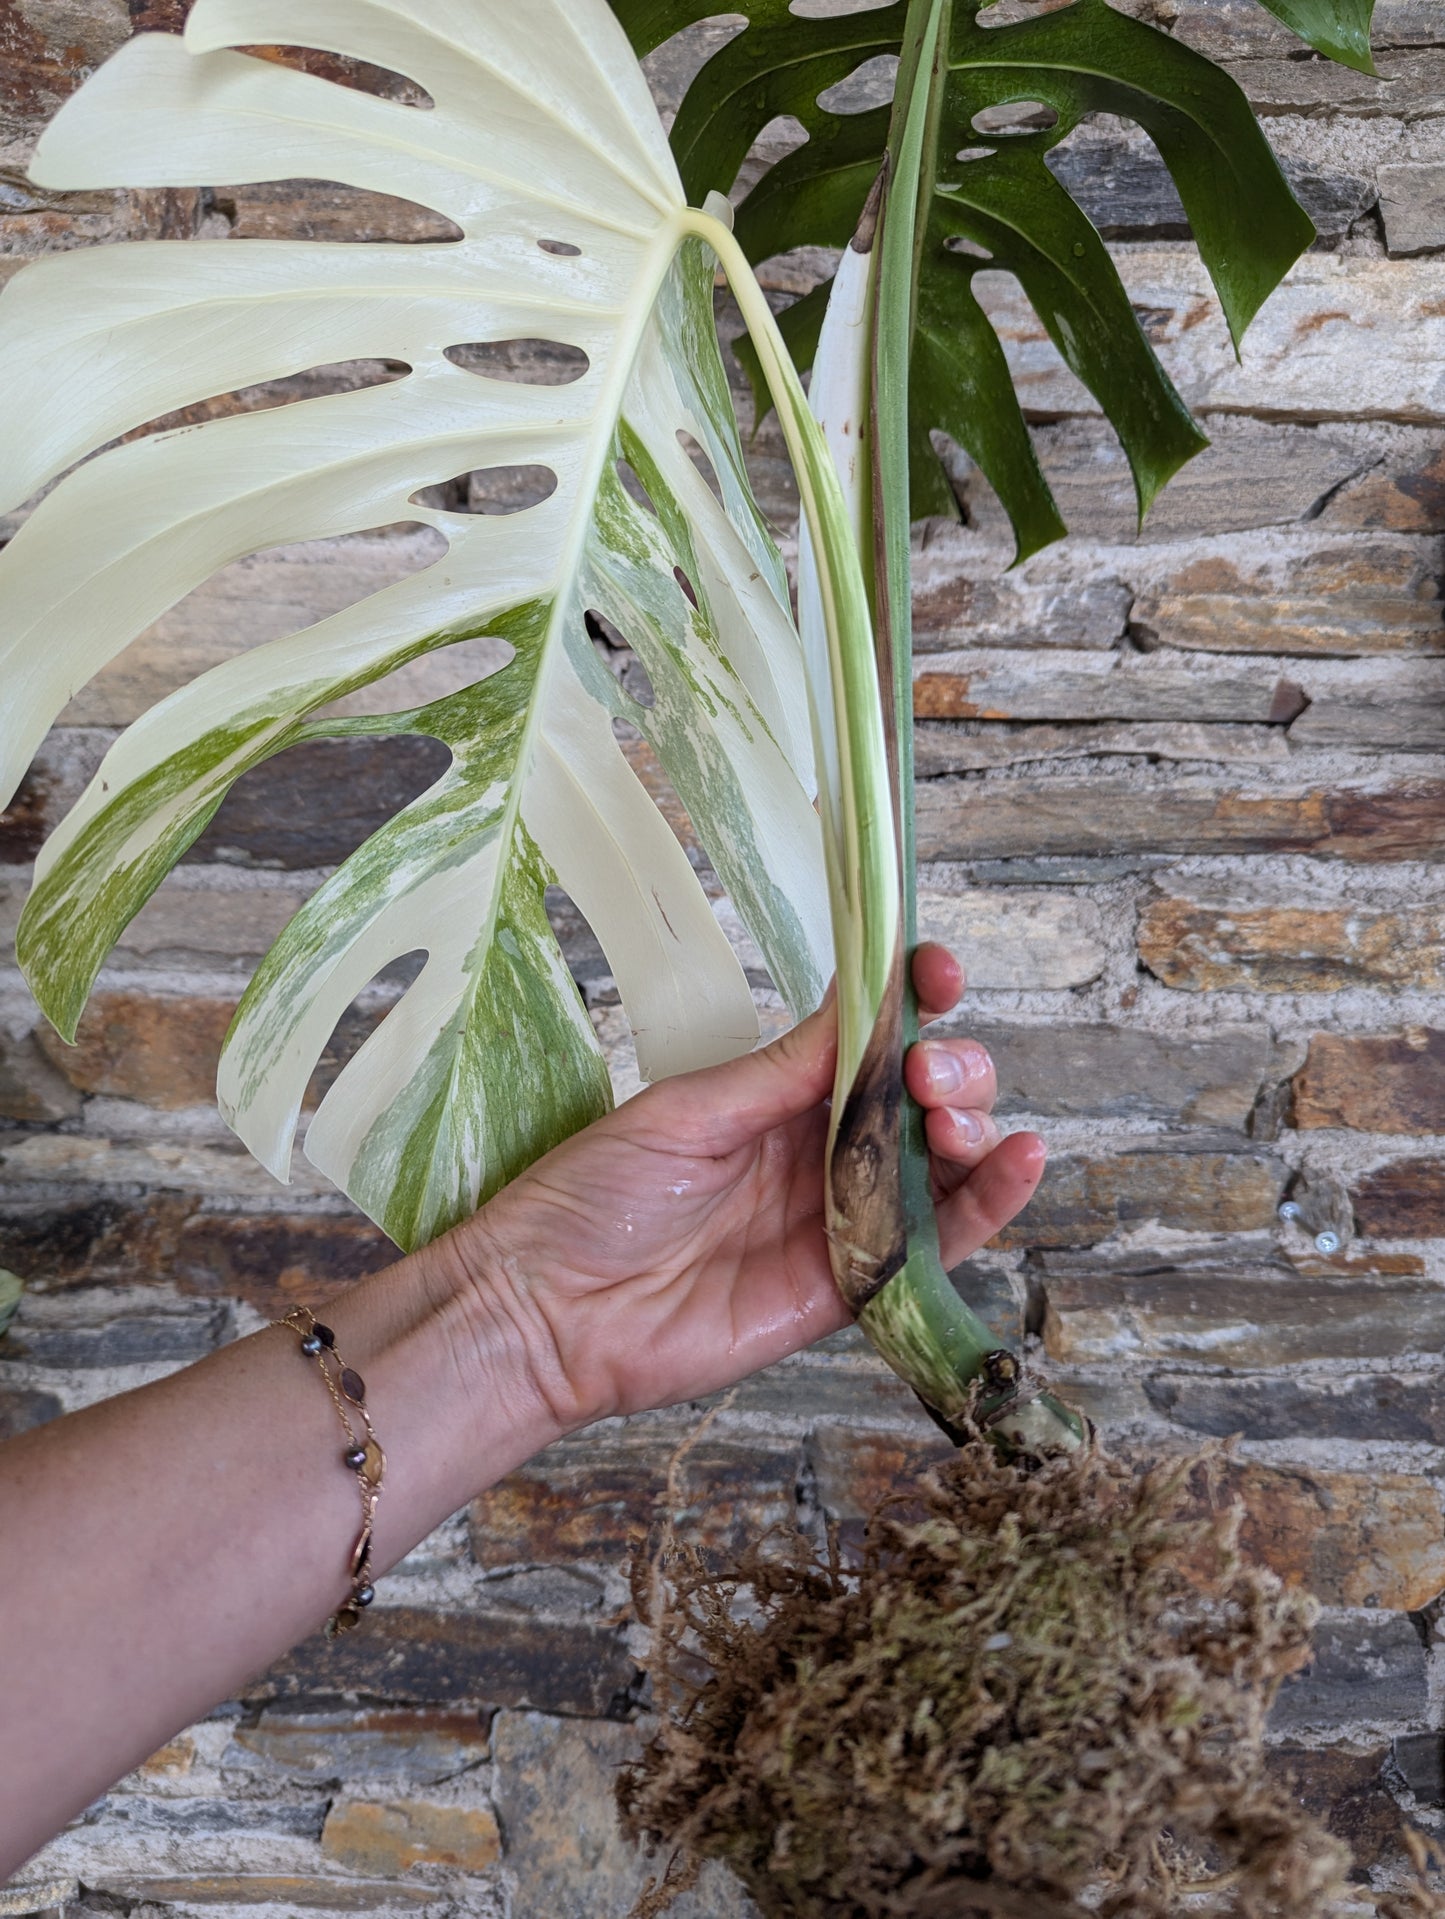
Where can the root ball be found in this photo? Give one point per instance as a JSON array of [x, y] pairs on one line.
[[1039, 1693]]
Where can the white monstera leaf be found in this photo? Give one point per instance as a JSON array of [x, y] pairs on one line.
[[544, 148]]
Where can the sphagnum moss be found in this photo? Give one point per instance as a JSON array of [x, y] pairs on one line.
[[1038, 1693]]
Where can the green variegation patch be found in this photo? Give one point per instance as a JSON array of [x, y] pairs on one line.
[[544, 147]]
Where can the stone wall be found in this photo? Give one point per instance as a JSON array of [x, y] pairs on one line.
[[1183, 815]]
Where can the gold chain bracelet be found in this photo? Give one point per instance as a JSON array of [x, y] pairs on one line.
[[363, 1454]]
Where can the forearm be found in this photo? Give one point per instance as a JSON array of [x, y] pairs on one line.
[[159, 1549]]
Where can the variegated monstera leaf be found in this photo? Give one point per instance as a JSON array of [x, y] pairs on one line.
[[544, 148]]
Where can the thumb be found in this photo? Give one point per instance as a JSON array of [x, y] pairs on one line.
[[728, 1106]]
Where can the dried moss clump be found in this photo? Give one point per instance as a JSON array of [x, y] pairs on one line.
[[1036, 1688]]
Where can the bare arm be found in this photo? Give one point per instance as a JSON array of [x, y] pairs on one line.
[[158, 1550], [161, 1548]]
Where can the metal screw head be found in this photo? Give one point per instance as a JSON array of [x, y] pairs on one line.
[[1289, 1209], [1327, 1242]]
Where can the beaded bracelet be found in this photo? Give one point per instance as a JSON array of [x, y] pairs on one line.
[[363, 1455]]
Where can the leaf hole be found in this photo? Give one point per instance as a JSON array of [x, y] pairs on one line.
[[341, 376], [563, 249], [688, 589], [783, 134], [254, 600], [302, 209], [359, 76], [698, 455], [675, 62], [602, 632], [970, 249], [1013, 118], [870, 86], [637, 684], [523, 362], [316, 803], [634, 489], [435, 676], [975, 153], [493, 490], [831, 9]]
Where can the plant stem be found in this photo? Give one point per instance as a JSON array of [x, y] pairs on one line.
[[917, 1321], [881, 1213]]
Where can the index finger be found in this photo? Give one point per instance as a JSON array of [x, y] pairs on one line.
[[937, 979]]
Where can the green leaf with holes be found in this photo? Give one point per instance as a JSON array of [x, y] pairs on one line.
[[543, 147], [993, 205]]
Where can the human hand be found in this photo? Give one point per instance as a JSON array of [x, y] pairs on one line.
[[677, 1245]]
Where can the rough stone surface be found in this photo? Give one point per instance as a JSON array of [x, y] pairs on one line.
[[31, 1089], [595, 1501], [416, 1748], [1403, 1199], [1204, 944], [1385, 1083], [1018, 940], [1350, 1539], [1412, 206], [1231, 1316], [414, 1656], [1348, 1791], [1152, 812], [1085, 1200], [392, 1837], [1369, 1668], [566, 1855], [20, 1409], [1214, 1077], [133, 1046], [1379, 1407]]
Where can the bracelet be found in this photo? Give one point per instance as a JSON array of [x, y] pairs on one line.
[[363, 1455]]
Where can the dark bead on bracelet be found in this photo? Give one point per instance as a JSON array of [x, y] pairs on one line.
[[311, 1345], [354, 1386], [364, 1597], [356, 1458], [323, 1333]]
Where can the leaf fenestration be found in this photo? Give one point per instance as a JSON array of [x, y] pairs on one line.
[[545, 149], [995, 206]]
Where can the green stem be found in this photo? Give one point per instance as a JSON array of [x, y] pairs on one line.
[[918, 1322]]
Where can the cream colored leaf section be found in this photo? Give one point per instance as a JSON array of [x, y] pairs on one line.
[[542, 144]]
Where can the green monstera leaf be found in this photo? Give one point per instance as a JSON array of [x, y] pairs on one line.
[[543, 146], [992, 203]]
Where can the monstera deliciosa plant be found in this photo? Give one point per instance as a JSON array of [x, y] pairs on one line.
[[580, 226]]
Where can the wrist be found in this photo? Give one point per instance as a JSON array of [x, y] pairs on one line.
[[505, 1338], [450, 1382]]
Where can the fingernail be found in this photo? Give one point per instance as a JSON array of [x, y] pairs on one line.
[[945, 1070], [969, 1127]]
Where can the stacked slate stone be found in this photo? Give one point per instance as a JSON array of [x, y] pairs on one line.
[[1182, 813]]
